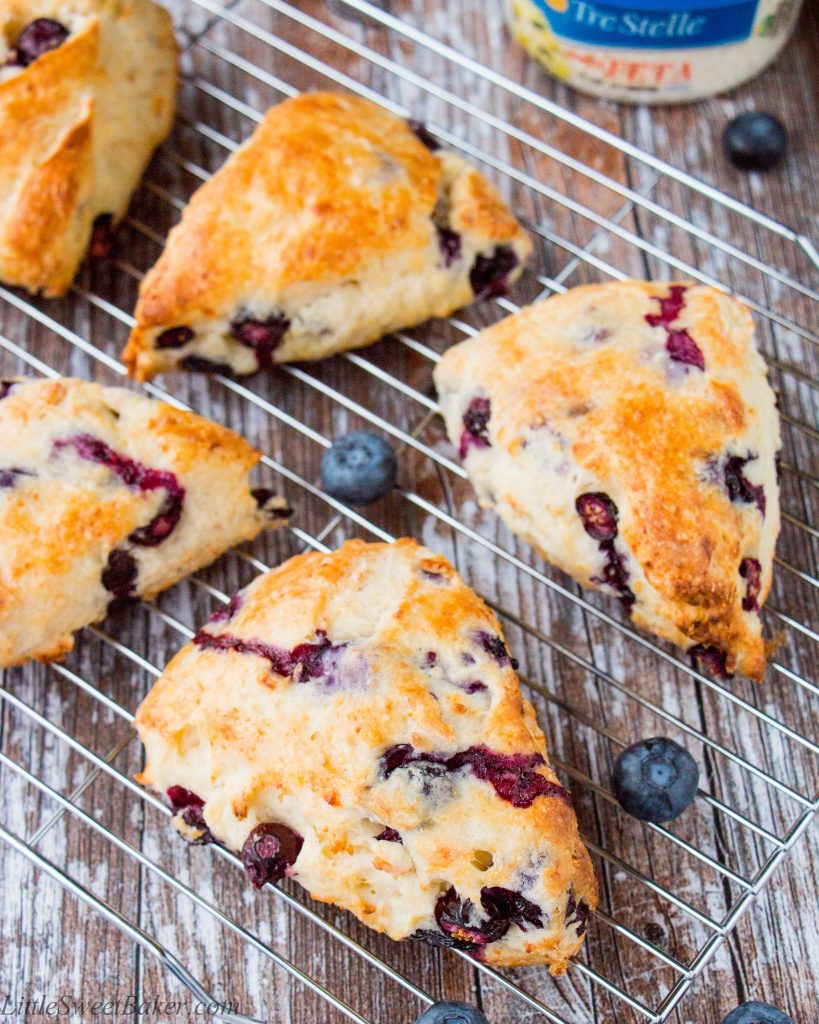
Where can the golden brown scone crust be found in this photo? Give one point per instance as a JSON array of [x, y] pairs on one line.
[[408, 664], [585, 397], [77, 127], [323, 219], [67, 518]]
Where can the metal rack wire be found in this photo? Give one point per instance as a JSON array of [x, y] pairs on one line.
[[579, 657]]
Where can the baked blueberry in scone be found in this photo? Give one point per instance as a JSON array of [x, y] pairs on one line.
[[628, 432], [333, 225], [106, 496], [87, 92], [354, 720]]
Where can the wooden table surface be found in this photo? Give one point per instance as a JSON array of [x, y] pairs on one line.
[[584, 675]]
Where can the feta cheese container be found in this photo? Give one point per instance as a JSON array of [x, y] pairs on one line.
[[653, 51]]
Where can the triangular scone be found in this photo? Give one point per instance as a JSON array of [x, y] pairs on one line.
[[333, 225], [87, 91], [354, 720], [628, 432], [104, 496]]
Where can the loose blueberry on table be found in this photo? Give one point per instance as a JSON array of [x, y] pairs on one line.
[[655, 780], [359, 469], [452, 1012], [757, 1013], [755, 141]]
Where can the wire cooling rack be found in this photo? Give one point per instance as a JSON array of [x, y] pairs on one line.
[[669, 895]]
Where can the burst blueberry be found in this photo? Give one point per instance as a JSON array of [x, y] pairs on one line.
[[37, 38], [655, 780], [174, 337], [263, 336], [750, 570], [476, 425], [190, 808], [707, 658], [489, 276], [754, 1012], [269, 852], [599, 515], [423, 134], [199, 364], [449, 242], [11, 476], [102, 237], [359, 469]]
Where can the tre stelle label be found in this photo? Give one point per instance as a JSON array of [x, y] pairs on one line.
[[651, 24]]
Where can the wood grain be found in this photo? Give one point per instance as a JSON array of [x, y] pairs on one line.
[[595, 685]]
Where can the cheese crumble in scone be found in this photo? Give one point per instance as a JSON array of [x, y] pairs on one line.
[[354, 720], [105, 496], [87, 91], [628, 432], [333, 225]]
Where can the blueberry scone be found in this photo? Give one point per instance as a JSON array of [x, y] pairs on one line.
[[333, 225], [87, 91], [106, 496], [628, 432], [354, 720]]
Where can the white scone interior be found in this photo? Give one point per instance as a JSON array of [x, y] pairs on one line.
[[628, 432], [354, 720], [106, 496]]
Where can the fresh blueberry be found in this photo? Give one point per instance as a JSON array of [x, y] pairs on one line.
[[389, 835], [360, 468], [37, 38], [655, 780], [452, 1012], [757, 1013], [755, 141]]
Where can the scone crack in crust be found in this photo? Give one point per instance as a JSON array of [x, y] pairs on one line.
[[87, 92], [106, 496], [354, 720], [627, 431], [342, 224]]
